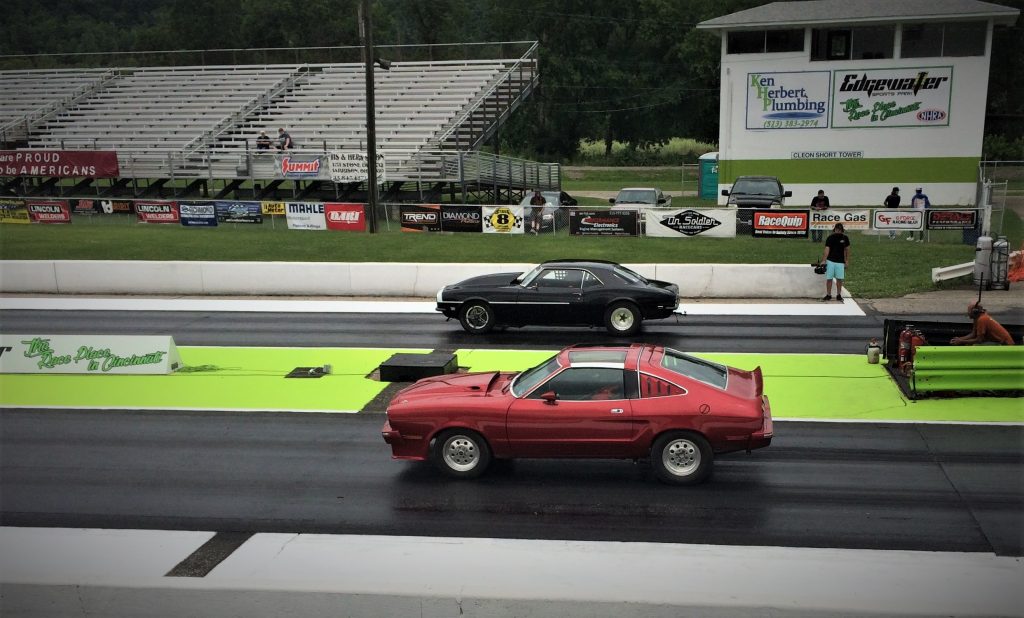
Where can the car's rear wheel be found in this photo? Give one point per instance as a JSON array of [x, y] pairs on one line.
[[477, 317], [623, 318], [681, 458], [460, 453]]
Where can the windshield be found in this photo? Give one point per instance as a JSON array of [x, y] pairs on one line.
[[756, 187], [526, 278], [636, 196], [696, 368], [529, 379]]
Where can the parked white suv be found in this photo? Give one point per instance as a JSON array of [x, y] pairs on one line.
[[640, 197]]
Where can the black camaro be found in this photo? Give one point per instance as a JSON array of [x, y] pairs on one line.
[[563, 292]]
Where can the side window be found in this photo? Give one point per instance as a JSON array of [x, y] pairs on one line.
[[585, 384], [561, 278], [590, 280], [651, 386]]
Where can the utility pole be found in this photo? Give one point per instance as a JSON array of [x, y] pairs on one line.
[[366, 34]]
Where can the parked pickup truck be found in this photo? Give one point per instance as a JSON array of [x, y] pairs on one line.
[[757, 192]]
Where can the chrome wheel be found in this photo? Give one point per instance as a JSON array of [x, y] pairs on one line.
[[681, 457], [460, 453], [622, 319], [478, 317]]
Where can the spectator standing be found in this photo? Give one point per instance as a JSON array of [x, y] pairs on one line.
[[263, 141], [537, 211], [892, 201], [284, 140], [919, 202], [986, 330], [836, 258], [819, 203]]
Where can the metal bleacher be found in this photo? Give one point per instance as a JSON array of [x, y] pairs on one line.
[[30, 97]]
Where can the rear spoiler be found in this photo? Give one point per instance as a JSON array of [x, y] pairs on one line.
[[758, 381]]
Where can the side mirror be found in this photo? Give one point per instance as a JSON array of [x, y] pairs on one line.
[[725, 192], [787, 194], [550, 397], [611, 200]]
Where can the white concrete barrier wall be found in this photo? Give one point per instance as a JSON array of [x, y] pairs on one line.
[[365, 278]]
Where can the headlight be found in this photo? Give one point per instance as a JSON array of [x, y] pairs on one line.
[[439, 295], [776, 204], [732, 201]]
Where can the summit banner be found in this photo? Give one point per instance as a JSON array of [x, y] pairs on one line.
[[793, 100], [59, 163], [903, 97]]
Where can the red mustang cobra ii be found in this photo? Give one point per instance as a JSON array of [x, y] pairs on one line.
[[626, 402]]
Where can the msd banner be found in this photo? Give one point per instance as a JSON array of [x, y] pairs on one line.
[[59, 163], [952, 219], [906, 220], [345, 217], [49, 211], [290, 166], [780, 223], [157, 212]]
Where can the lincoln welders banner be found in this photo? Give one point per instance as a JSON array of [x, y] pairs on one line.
[[686, 223], [603, 222], [49, 211], [59, 163], [198, 214], [239, 212], [156, 212], [13, 211], [780, 223], [503, 219], [458, 218], [420, 217], [306, 216], [952, 219]]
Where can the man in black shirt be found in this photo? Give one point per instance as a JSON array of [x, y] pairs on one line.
[[820, 202], [836, 258], [892, 201]]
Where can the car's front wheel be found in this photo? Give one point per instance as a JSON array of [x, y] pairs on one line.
[[623, 318], [477, 317], [460, 453], [681, 458]]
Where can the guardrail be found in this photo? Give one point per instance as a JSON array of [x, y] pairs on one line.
[[968, 368]]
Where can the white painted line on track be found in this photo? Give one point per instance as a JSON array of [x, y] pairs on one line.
[[71, 303]]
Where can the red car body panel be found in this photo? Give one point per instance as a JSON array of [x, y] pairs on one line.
[[736, 417]]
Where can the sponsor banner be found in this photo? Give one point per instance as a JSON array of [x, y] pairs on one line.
[[503, 219], [156, 212], [345, 217], [305, 216], [952, 219], [780, 223], [49, 211], [86, 207], [851, 219], [352, 166], [96, 354], [198, 214], [459, 218], [297, 166], [684, 223], [420, 217], [898, 220], [239, 212], [788, 100], [13, 211], [109, 207], [603, 222], [272, 208], [59, 163], [903, 97]]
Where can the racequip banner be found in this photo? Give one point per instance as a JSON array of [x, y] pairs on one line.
[[603, 223], [903, 219], [459, 218], [49, 211], [59, 163], [198, 214], [157, 212], [686, 223], [345, 217], [780, 223], [305, 216], [503, 219], [952, 219], [13, 211], [239, 212], [851, 219], [420, 217]]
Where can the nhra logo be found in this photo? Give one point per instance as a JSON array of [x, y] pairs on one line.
[[690, 222], [931, 115], [419, 218], [292, 168], [344, 216]]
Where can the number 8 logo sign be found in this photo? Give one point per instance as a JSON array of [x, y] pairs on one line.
[[503, 220]]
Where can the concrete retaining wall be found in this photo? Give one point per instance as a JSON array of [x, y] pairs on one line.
[[365, 278]]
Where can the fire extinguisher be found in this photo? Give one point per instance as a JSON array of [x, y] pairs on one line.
[[906, 336], [916, 340]]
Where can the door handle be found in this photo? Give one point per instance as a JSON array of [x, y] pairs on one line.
[[616, 410]]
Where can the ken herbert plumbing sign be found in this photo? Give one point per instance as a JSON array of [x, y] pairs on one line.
[[95, 354]]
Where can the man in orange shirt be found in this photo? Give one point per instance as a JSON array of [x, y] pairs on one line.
[[986, 329]]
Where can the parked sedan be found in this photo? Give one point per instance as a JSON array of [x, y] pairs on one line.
[[624, 402], [562, 292]]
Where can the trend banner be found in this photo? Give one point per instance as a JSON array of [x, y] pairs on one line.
[[896, 97], [60, 163], [13, 211], [95, 354], [780, 223], [686, 223], [503, 219], [198, 214], [851, 219], [157, 212], [892, 219], [603, 222], [306, 216], [49, 211], [952, 219], [458, 218], [239, 212], [420, 217], [345, 217]]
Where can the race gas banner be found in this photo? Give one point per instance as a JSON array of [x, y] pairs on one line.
[[239, 212], [305, 216], [49, 211], [198, 214], [347, 167], [157, 212], [345, 217], [603, 222], [503, 219], [686, 223], [952, 219], [59, 163], [457, 218], [420, 217], [790, 100], [13, 211], [297, 166], [272, 208], [780, 223], [903, 97], [903, 219], [90, 354], [851, 219]]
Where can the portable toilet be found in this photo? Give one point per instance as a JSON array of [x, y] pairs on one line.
[[708, 176]]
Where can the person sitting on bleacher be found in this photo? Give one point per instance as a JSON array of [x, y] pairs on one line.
[[263, 141], [284, 141]]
